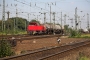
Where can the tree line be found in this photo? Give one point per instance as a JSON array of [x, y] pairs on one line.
[[14, 24]]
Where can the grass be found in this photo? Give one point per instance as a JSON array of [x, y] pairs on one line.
[[85, 35], [13, 33], [84, 58], [82, 36]]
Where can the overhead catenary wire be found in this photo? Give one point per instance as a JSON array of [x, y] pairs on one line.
[[35, 6], [10, 7], [31, 5]]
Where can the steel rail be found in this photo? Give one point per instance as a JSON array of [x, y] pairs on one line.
[[49, 56], [47, 52], [20, 37]]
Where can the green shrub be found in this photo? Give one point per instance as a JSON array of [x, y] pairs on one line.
[[74, 33], [5, 49], [82, 56]]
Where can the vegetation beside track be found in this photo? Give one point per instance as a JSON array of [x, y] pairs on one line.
[[85, 35], [5, 49], [77, 34], [82, 36], [83, 57], [13, 33], [15, 25]]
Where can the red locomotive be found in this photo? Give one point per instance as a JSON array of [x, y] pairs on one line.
[[36, 28]]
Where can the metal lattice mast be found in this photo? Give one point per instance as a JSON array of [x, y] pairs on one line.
[[76, 18], [87, 21], [50, 16], [54, 18], [44, 18], [61, 24], [16, 22], [65, 19], [3, 16], [8, 13], [8, 18], [53, 21], [16, 19]]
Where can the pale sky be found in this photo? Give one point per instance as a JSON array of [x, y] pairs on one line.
[[35, 6]]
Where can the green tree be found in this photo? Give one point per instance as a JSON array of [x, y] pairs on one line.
[[5, 49], [20, 23], [35, 21], [14, 25]]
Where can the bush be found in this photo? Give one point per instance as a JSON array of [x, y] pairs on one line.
[[74, 33], [5, 49], [82, 57]]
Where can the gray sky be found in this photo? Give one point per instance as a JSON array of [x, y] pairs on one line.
[[35, 6]]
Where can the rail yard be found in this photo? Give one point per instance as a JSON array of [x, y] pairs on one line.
[[44, 30], [28, 47], [50, 50]]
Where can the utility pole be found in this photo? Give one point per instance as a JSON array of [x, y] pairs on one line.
[[28, 17], [80, 19], [25, 25], [61, 24], [87, 21], [65, 19], [50, 16], [54, 20], [3, 16], [76, 18], [16, 19], [61, 20], [16, 26], [78, 22], [44, 18], [26, 21], [71, 22], [8, 18], [37, 17], [8, 14]]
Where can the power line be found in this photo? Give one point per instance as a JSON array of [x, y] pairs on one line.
[[32, 5], [12, 8]]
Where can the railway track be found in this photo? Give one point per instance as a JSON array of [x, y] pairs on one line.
[[28, 37], [51, 53], [9, 36], [14, 39], [24, 35]]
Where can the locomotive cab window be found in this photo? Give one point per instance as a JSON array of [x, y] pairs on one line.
[[34, 23]]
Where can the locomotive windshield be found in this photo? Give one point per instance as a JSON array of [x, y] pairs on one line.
[[33, 23]]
